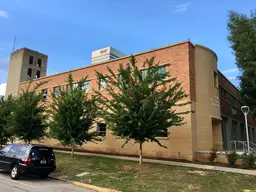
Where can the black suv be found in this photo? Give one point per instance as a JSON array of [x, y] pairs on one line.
[[27, 159]]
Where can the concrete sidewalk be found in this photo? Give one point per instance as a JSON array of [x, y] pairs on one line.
[[173, 163]]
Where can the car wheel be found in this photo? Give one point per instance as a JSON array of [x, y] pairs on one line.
[[43, 176], [15, 174]]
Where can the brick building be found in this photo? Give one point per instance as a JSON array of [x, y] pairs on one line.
[[211, 125]]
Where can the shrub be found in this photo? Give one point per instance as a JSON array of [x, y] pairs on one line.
[[249, 161], [213, 155], [232, 157]]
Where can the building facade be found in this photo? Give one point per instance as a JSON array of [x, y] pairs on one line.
[[233, 123], [24, 65], [195, 66]]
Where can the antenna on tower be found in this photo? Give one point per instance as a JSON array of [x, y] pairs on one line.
[[14, 43]]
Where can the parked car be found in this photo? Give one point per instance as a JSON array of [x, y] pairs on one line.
[[27, 159]]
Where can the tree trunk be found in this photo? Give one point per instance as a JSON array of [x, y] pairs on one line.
[[140, 154], [72, 152]]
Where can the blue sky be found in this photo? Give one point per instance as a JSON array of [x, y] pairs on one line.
[[69, 30]]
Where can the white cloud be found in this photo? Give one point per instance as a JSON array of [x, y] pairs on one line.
[[181, 8], [2, 88], [232, 78], [3, 14], [232, 70]]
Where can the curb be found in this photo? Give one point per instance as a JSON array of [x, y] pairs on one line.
[[84, 185], [93, 187]]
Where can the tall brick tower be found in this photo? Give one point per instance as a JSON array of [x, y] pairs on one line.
[[24, 65]]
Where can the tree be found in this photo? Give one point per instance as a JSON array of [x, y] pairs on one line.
[[6, 108], [28, 119], [141, 104], [72, 114], [242, 37]]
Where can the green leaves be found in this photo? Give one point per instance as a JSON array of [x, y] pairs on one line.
[[72, 114], [28, 119], [141, 104], [242, 37], [6, 108]]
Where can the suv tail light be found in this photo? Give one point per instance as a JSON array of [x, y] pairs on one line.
[[27, 161]]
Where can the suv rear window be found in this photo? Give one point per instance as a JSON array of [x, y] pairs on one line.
[[41, 152]]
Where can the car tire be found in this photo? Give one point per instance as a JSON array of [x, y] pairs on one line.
[[43, 176], [15, 172]]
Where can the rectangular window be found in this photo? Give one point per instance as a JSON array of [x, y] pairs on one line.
[[74, 86], [41, 152], [87, 85], [163, 134], [67, 88], [234, 131], [39, 62], [215, 79], [119, 78], [102, 84], [56, 91], [162, 71], [31, 58], [238, 104], [249, 132], [143, 73], [253, 135], [101, 129], [29, 72], [6, 149], [232, 100], [223, 93], [37, 74]]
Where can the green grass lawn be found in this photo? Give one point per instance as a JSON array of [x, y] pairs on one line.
[[129, 176]]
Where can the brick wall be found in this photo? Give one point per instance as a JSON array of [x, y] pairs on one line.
[[179, 56]]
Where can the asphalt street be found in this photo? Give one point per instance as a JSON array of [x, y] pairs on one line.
[[35, 184]]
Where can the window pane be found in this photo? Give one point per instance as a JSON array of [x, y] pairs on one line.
[[144, 74], [29, 72], [119, 78], [39, 62], [243, 133], [103, 85], [215, 79], [7, 148], [14, 149], [101, 129], [23, 152], [162, 71], [37, 74], [56, 90], [31, 59], [41, 152], [67, 88], [234, 130], [163, 133], [87, 85], [75, 85], [232, 100]]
